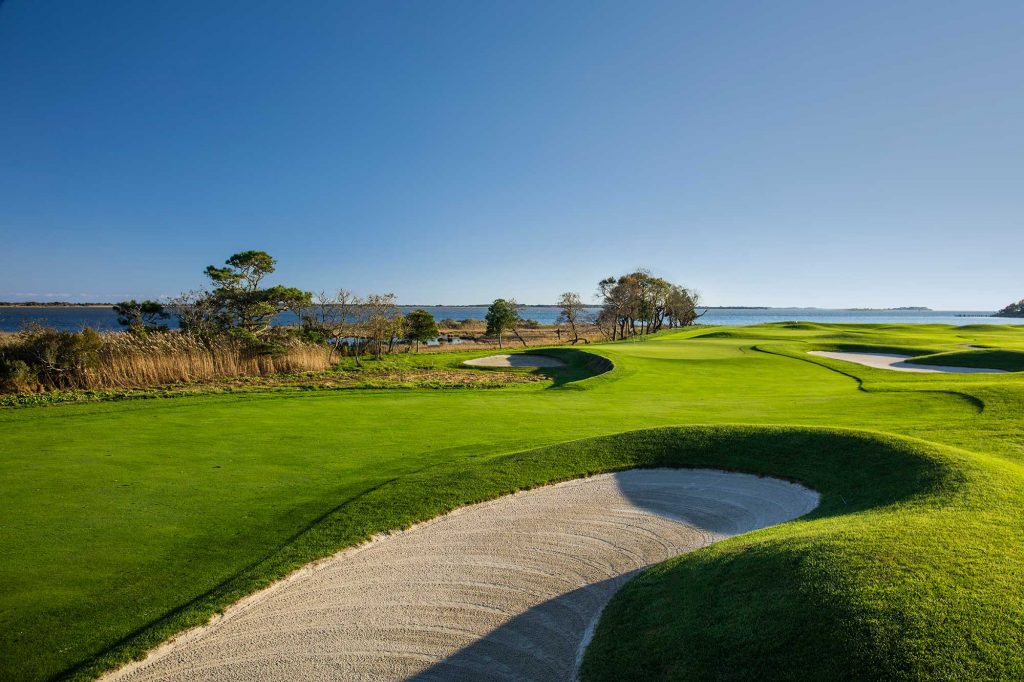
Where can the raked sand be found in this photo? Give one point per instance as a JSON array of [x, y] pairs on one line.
[[505, 590], [899, 364], [516, 360]]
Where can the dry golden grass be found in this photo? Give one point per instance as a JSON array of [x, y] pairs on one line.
[[128, 361]]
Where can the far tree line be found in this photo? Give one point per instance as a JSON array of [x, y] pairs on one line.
[[237, 303], [1012, 310]]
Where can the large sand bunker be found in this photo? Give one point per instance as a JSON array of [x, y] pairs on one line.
[[899, 364], [504, 590], [516, 360]]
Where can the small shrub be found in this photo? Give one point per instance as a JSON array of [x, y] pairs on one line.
[[16, 376], [60, 358]]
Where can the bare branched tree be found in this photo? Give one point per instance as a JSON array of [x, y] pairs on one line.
[[335, 319], [383, 322], [571, 312]]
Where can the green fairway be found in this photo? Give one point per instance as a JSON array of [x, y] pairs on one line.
[[121, 523]]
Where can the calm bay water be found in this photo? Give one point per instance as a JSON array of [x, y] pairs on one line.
[[103, 319]]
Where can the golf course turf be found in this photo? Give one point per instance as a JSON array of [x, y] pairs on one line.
[[123, 523]]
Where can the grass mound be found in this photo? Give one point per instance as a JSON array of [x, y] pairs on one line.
[[875, 348], [1000, 328], [908, 570], [987, 358], [805, 326]]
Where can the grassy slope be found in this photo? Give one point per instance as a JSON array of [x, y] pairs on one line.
[[117, 515], [991, 358], [910, 569]]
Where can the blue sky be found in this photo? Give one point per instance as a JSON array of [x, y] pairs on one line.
[[783, 153]]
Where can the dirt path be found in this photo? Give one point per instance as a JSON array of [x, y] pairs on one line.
[[899, 364], [505, 590]]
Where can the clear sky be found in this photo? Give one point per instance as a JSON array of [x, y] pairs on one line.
[[766, 153]]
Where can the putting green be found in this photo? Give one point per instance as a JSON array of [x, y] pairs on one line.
[[125, 522]]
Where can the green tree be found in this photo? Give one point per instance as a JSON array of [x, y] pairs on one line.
[[502, 316], [240, 304], [1012, 310], [141, 317], [681, 307], [640, 303], [419, 327]]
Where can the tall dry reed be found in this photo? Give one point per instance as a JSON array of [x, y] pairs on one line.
[[129, 361]]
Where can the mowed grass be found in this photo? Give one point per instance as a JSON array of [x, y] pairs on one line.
[[123, 523], [990, 358]]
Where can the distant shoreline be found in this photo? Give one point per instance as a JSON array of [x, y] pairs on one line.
[[36, 304]]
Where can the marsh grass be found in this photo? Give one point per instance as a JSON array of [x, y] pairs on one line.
[[59, 361]]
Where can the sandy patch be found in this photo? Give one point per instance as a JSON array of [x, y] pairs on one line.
[[899, 364], [505, 590], [516, 360]]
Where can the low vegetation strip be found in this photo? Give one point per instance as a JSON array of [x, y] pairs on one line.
[[41, 360], [405, 371]]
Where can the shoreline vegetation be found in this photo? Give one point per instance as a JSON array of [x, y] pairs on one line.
[[1012, 310], [68, 304], [226, 335]]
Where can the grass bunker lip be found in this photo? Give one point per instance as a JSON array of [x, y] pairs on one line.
[[511, 585], [899, 363]]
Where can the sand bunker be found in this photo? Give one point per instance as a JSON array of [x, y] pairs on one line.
[[517, 360], [505, 590], [899, 364]]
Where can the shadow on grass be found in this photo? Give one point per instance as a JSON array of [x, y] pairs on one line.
[[579, 366]]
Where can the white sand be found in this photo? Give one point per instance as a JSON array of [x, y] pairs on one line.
[[505, 590], [899, 364], [516, 360]]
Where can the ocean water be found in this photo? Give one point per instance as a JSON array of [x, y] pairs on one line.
[[103, 319]]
